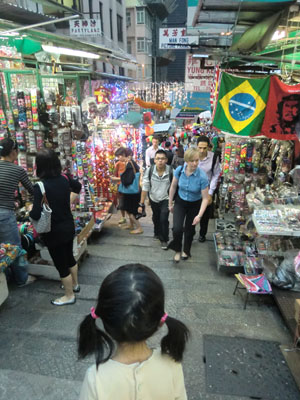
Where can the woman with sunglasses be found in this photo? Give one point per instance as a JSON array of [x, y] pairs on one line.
[[10, 177]]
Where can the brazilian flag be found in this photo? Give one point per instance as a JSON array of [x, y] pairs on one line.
[[241, 104]]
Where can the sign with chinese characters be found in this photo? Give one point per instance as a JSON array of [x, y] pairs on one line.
[[175, 38], [197, 79], [85, 27]]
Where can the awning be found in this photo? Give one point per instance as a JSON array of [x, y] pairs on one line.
[[258, 36], [161, 128], [131, 118]]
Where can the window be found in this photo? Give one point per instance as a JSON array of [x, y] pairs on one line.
[[91, 8], [140, 15], [128, 18], [111, 24], [129, 47], [101, 15], [104, 67], [119, 1], [121, 71], [140, 45], [120, 28]]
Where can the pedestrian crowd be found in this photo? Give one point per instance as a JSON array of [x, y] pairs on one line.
[[131, 300]]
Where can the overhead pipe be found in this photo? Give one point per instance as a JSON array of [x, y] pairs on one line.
[[53, 21]]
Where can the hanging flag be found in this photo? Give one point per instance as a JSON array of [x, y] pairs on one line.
[[283, 111], [241, 104]]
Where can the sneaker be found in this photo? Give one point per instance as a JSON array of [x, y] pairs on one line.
[[164, 245], [122, 221], [202, 239], [30, 279], [155, 237]]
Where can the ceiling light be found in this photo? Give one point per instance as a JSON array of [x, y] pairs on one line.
[[69, 52]]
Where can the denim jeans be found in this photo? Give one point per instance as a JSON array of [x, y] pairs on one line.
[[9, 233]]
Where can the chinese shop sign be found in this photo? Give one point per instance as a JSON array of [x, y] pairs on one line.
[[197, 79], [175, 38], [85, 27]]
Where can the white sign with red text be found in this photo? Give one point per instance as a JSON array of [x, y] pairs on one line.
[[197, 79], [175, 38]]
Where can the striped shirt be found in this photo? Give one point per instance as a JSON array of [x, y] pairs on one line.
[[10, 176]]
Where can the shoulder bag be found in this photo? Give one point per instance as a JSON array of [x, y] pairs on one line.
[[43, 225], [134, 187]]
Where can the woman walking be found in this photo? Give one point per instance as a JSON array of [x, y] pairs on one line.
[[60, 239], [192, 185], [131, 201], [10, 177]]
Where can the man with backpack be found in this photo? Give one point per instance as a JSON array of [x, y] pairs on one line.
[[157, 180], [209, 163]]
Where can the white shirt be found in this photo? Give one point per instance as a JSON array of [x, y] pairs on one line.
[[158, 378], [160, 185], [150, 153]]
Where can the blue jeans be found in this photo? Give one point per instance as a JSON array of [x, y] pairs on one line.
[[9, 233]]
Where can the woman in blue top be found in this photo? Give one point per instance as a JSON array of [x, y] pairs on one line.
[[192, 185]]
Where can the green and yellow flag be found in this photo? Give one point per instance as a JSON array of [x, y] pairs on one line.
[[241, 104]]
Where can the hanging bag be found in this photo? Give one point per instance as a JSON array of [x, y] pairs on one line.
[[132, 188], [43, 225]]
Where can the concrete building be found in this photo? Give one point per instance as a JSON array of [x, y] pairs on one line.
[[143, 20], [112, 15]]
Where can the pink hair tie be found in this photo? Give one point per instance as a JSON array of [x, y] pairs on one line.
[[163, 318], [93, 314]]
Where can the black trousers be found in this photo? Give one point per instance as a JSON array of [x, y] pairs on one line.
[[184, 214], [160, 218], [63, 258], [204, 220]]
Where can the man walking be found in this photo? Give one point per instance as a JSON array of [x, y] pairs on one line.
[[209, 163], [157, 180], [151, 151]]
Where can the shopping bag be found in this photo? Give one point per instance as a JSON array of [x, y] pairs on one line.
[[43, 225], [133, 188]]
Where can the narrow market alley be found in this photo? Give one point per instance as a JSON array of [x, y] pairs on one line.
[[38, 341]]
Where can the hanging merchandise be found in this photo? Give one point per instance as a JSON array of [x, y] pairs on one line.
[[241, 104], [153, 106], [282, 116]]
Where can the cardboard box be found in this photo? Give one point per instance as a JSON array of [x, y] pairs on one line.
[[86, 231], [297, 310]]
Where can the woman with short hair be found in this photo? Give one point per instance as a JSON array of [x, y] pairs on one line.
[[59, 240], [10, 177], [192, 185]]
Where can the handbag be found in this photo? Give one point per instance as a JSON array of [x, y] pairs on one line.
[[43, 225], [134, 187]]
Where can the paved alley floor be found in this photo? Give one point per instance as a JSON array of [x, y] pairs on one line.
[[38, 341]]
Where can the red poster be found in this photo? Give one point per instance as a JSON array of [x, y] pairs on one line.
[[282, 117]]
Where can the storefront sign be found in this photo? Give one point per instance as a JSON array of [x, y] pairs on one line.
[[197, 79], [175, 38], [85, 27]]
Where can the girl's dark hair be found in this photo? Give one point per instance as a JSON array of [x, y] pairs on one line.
[[130, 304], [47, 164], [7, 145], [180, 151], [128, 152]]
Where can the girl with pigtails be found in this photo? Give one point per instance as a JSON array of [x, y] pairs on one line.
[[131, 308]]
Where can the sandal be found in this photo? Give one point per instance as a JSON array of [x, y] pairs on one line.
[[136, 231]]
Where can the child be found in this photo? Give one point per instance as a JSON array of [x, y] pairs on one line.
[[120, 166], [131, 308]]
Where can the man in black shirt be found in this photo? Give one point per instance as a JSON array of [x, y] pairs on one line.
[[168, 152]]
